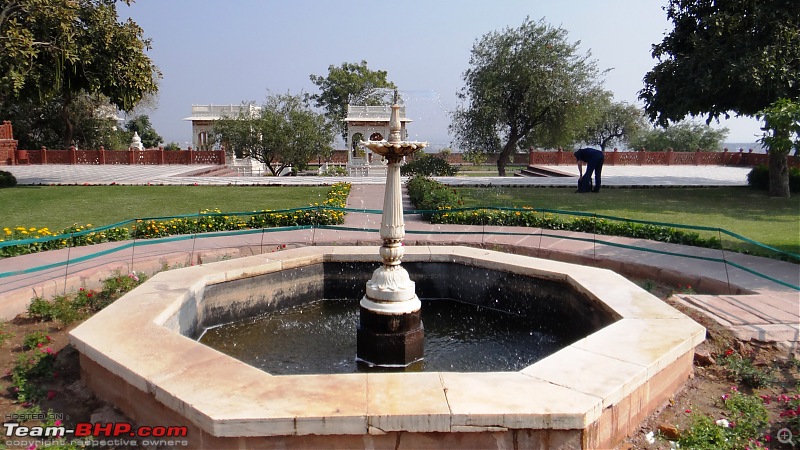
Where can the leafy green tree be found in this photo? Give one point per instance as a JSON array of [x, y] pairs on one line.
[[685, 136], [38, 123], [141, 125], [737, 56], [52, 49], [348, 83], [286, 133], [781, 134], [615, 122], [476, 157], [525, 86]]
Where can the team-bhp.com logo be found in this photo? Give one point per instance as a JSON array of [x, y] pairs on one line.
[[122, 433]]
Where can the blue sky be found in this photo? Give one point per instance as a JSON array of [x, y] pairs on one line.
[[243, 50]]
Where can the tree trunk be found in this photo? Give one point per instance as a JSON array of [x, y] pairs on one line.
[[778, 174], [502, 158], [68, 127]]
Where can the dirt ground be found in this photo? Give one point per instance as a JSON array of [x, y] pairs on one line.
[[67, 395]]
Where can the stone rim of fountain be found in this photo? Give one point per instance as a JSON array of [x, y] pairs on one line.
[[225, 397]]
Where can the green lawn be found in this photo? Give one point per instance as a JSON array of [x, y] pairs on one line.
[[58, 207], [750, 213]]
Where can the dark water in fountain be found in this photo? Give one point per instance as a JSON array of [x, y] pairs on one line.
[[321, 338]]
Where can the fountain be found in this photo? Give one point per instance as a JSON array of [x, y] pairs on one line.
[[390, 332], [634, 351]]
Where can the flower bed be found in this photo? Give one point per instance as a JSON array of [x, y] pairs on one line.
[[21, 240], [443, 206]]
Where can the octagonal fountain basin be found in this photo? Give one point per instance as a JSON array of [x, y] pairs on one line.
[[631, 354]]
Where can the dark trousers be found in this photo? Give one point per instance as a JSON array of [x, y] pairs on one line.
[[594, 166]]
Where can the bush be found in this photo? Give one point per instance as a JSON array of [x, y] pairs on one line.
[[7, 179], [430, 195], [430, 166], [758, 178]]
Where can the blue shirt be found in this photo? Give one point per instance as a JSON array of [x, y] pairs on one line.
[[589, 154]]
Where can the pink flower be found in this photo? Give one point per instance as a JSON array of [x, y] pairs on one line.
[[767, 438], [32, 446], [57, 423], [725, 397], [688, 410], [39, 345], [766, 399], [51, 394]]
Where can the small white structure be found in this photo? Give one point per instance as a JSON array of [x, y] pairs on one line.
[[247, 166], [136, 142], [203, 117], [369, 123]]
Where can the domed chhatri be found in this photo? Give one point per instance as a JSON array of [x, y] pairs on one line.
[[390, 331], [395, 148]]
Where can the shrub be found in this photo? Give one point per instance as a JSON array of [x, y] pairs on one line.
[[742, 370], [758, 178], [7, 179], [430, 195], [429, 165], [35, 340], [71, 307], [5, 336], [747, 418]]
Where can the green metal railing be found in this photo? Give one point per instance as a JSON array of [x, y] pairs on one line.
[[311, 220]]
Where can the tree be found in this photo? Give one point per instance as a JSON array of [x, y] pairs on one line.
[[286, 133], [141, 125], [781, 134], [52, 49], [38, 123], [685, 136], [614, 123], [737, 56], [525, 85], [348, 83]]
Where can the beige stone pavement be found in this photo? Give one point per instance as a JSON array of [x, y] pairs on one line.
[[753, 307]]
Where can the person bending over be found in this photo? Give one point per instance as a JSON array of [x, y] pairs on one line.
[[594, 164]]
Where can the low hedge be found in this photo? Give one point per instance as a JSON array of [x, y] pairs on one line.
[[7, 179], [36, 240], [758, 178], [444, 203]]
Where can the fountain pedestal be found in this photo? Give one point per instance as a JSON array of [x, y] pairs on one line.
[[390, 330]]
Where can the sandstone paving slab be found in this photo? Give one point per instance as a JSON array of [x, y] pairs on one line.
[[781, 333], [523, 402], [389, 408], [659, 342], [597, 375], [729, 311]]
